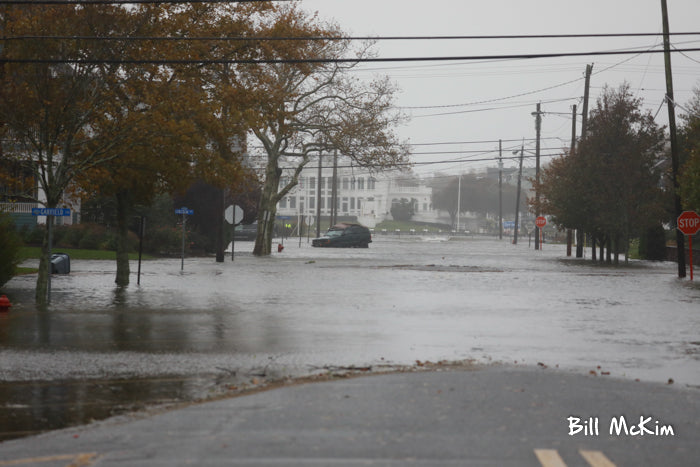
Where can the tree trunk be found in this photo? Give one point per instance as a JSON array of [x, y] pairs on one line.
[[608, 253], [602, 249], [267, 210], [42, 280], [593, 251], [580, 236], [123, 209]]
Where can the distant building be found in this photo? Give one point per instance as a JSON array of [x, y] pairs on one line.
[[363, 196], [18, 197]]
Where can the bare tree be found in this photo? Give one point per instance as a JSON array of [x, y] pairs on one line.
[[309, 108]]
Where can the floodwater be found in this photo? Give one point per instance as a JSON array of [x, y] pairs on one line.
[[182, 335]]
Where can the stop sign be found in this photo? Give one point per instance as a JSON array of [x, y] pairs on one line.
[[541, 221], [689, 222]]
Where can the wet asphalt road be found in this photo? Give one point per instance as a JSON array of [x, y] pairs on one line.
[[493, 416], [184, 335]]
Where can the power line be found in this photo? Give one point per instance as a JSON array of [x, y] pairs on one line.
[[493, 141], [322, 38], [450, 161], [125, 2], [88, 61], [488, 109]]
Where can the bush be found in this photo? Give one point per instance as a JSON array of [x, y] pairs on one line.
[[94, 237], [10, 242], [33, 236], [652, 245], [163, 240]]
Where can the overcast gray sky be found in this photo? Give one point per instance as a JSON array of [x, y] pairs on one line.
[[467, 102]]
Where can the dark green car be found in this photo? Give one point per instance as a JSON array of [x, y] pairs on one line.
[[345, 235]]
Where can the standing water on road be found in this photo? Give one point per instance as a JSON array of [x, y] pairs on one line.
[[99, 350]]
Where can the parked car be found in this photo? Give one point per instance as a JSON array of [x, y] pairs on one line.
[[246, 232], [345, 235]]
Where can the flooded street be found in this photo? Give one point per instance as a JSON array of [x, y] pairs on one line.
[[181, 335]]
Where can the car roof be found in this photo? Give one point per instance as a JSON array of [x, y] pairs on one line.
[[345, 225]]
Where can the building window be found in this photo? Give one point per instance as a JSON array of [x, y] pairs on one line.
[[312, 203], [371, 183], [361, 183], [352, 204], [283, 203], [292, 202]]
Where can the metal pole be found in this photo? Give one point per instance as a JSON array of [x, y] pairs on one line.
[[500, 190], [182, 257], [142, 230], [459, 199], [49, 219], [318, 199]]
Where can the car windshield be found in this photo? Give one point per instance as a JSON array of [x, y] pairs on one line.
[[334, 233]]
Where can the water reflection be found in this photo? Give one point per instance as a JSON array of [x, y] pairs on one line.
[[37, 406]]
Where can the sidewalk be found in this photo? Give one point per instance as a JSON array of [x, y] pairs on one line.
[[492, 416]]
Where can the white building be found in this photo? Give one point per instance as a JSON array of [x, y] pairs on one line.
[[362, 195]]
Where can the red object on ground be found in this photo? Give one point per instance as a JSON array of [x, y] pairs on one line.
[[280, 247], [5, 303]]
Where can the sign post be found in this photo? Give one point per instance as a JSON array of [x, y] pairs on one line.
[[540, 222], [233, 215], [185, 212], [689, 224], [50, 213]]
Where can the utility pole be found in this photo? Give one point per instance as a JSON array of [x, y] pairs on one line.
[[517, 196], [334, 191], [678, 208], [538, 129], [318, 198], [580, 235], [569, 233], [500, 190], [459, 199]]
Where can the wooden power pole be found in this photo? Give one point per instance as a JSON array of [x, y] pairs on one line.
[[678, 208], [580, 234]]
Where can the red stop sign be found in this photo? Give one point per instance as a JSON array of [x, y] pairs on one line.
[[541, 221], [689, 222]]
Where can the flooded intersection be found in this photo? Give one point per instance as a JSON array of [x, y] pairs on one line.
[[186, 335]]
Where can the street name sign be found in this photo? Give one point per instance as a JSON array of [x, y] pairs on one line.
[[61, 212], [184, 210]]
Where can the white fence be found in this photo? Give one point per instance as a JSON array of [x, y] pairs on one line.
[[18, 208]]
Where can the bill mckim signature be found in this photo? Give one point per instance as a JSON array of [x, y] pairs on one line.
[[619, 426]]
